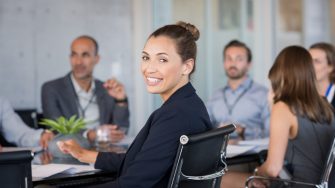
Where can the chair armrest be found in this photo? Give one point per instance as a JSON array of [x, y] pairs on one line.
[[214, 175], [267, 181]]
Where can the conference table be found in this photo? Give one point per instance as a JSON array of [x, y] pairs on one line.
[[72, 173], [68, 171]]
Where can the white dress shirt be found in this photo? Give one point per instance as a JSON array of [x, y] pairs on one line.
[[87, 104]]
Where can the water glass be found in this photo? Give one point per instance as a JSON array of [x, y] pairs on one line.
[[103, 138]]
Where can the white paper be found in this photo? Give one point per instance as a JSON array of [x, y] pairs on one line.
[[10, 149], [235, 150], [42, 171], [258, 142]]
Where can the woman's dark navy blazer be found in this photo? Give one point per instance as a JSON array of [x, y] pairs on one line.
[[149, 159]]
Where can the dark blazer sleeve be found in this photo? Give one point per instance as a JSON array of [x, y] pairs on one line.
[[152, 162], [109, 161]]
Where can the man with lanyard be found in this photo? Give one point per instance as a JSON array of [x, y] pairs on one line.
[[78, 93], [242, 101]]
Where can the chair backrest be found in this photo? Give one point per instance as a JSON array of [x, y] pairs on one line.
[[329, 165], [28, 116], [4, 143], [15, 169], [201, 159]]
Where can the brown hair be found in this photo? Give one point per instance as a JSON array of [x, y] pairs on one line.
[[330, 55], [293, 82], [184, 35], [237, 43]]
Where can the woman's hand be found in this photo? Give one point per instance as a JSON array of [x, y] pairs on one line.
[[73, 148]]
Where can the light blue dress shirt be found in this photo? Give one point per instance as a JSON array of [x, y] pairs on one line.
[[13, 129], [247, 106]]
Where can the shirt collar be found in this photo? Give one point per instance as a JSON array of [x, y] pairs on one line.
[[244, 84], [78, 89]]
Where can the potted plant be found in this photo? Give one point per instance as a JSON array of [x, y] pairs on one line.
[[66, 129]]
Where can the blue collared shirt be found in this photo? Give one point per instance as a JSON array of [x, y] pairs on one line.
[[14, 129], [248, 106]]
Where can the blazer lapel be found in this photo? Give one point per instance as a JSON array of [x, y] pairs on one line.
[[70, 95]]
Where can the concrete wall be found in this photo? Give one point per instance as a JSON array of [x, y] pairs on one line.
[[35, 38]]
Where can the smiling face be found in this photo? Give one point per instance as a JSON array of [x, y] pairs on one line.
[[162, 67], [83, 58], [321, 65]]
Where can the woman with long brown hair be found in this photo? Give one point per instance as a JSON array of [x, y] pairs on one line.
[[301, 124]]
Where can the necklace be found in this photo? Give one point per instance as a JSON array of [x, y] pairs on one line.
[[328, 90]]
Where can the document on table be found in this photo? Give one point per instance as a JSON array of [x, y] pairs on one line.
[[235, 150], [261, 144], [33, 149], [247, 146], [43, 171], [258, 142]]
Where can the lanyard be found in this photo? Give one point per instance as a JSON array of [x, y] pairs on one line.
[[328, 90], [232, 106], [81, 108]]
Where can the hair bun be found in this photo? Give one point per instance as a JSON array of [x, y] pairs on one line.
[[191, 28]]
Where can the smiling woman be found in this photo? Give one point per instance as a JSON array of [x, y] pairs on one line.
[[168, 60]]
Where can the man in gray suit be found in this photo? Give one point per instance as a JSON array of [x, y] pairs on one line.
[[16, 132], [79, 93]]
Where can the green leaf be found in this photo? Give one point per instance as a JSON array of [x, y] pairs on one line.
[[65, 126], [53, 124]]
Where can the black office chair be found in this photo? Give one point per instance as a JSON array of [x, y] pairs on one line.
[[4, 143], [201, 159], [28, 116], [259, 181], [15, 169]]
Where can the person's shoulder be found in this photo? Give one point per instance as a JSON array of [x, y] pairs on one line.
[[282, 108], [190, 106], [218, 91], [190, 111], [55, 82], [217, 94], [259, 87]]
